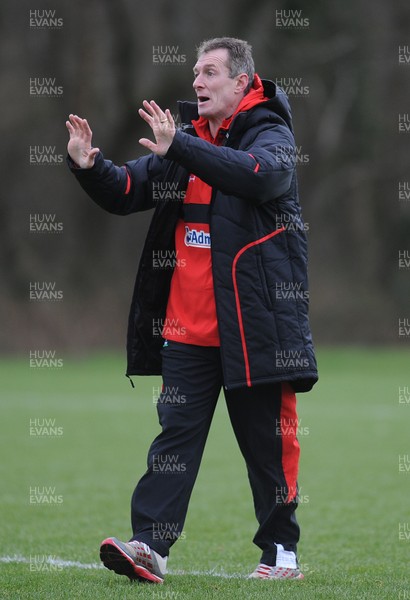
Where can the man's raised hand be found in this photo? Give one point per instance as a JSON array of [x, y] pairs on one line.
[[79, 145], [162, 125]]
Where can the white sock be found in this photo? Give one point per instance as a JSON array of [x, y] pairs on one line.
[[285, 558], [161, 560]]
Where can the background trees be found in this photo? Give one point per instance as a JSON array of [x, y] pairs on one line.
[[345, 69]]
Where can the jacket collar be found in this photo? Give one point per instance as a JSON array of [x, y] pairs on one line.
[[254, 97]]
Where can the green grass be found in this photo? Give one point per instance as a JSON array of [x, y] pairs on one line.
[[354, 430]]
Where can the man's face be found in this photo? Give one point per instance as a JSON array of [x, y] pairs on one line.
[[218, 95]]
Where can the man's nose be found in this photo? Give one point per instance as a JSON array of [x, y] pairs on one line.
[[197, 83]]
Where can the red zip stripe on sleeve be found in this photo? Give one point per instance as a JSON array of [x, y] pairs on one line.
[[128, 186], [256, 169], [237, 301]]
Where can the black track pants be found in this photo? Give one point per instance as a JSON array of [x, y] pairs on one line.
[[264, 420]]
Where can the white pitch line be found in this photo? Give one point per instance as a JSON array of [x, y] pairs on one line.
[[66, 564], [49, 560]]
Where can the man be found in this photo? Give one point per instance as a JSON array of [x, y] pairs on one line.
[[232, 225]]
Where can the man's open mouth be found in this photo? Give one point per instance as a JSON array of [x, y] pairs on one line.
[[202, 99]]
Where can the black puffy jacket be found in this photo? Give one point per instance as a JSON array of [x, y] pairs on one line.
[[259, 249]]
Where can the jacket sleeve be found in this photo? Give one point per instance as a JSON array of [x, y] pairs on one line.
[[263, 172], [120, 190]]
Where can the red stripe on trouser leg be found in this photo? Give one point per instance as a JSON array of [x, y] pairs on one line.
[[290, 444]]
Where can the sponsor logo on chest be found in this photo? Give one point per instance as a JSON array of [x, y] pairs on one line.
[[198, 238]]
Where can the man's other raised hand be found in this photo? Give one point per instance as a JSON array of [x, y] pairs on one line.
[[79, 145]]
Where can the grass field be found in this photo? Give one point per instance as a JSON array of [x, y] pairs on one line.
[[87, 447]]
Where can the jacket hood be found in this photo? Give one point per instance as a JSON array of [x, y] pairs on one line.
[[272, 97]]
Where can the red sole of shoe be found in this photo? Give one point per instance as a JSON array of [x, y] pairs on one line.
[[115, 559]]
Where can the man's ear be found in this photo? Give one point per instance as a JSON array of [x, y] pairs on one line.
[[242, 81]]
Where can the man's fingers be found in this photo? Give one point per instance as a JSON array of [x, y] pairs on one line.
[[70, 128], [148, 107], [169, 117], [147, 118], [93, 153], [155, 108], [148, 144], [80, 126], [73, 123], [154, 112], [148, 114], [76, 121], [86, 128], [158, 111]]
